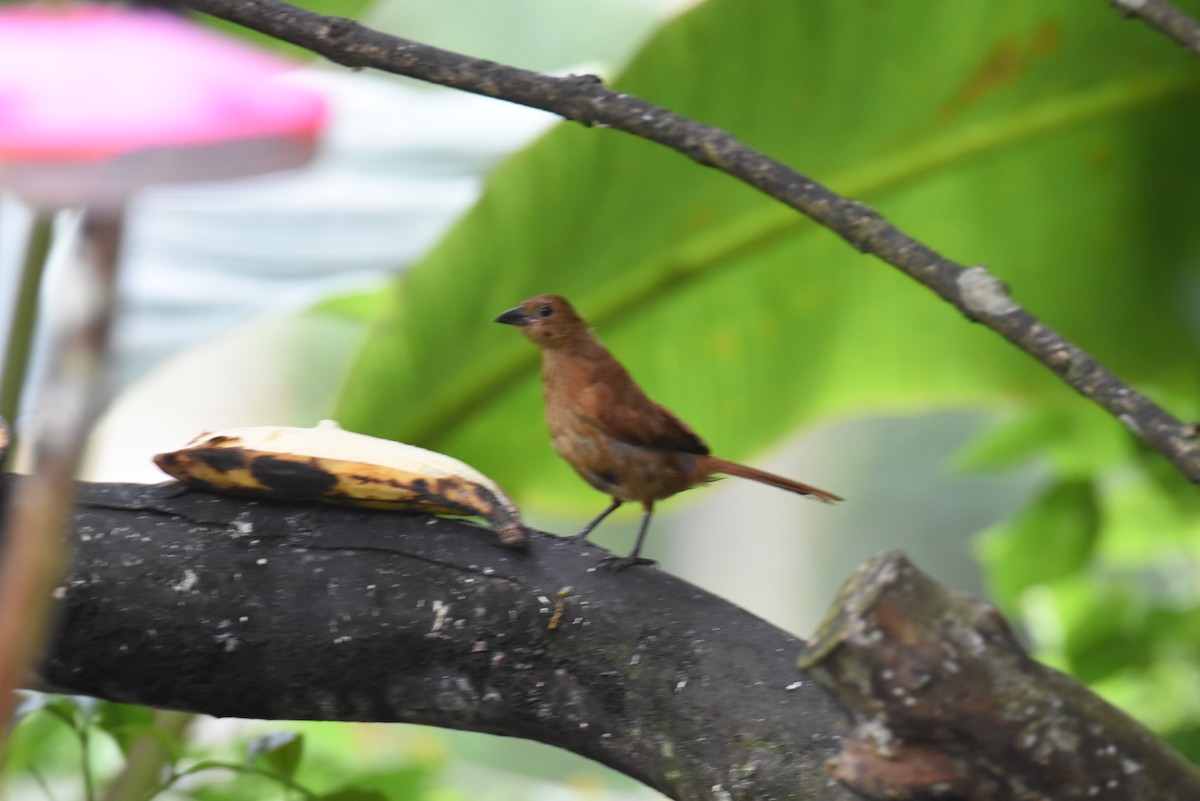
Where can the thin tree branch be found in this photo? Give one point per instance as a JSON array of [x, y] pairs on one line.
[[974, 291], [1165, 18]]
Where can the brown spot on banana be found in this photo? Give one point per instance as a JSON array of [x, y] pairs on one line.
[[222, 459], [292, 478]]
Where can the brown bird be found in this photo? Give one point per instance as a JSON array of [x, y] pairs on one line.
[[621, 442]]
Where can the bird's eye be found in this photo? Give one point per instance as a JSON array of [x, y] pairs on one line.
[[545, 311]]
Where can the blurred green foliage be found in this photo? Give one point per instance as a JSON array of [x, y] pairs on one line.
[[75, 747]]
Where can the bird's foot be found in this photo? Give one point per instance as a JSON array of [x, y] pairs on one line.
[[621, 562]]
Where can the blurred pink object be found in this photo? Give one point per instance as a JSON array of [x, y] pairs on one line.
[[96, 101]]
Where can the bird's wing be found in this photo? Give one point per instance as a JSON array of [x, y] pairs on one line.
[[631, 417]]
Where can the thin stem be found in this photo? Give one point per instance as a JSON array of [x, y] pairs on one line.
[[41, 782], [980, 296], [23, 322], [85, 760], [215, 764]]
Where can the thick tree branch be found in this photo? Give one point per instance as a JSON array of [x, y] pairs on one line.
[[211, 604], [1165, 18], [974, 291], [948, 705]]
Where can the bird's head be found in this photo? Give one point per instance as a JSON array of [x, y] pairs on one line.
[[548, 321]]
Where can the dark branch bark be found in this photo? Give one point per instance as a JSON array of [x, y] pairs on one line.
[[212, 604], [217, 605], [947, 704], [973, 291], [1165, 18]]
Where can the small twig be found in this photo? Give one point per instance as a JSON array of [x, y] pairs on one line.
[[23, 321], [234, 767], [1165, 18], [973, 291], [41, 782], [85, 761]]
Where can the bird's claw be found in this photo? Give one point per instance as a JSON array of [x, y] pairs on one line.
[[622, 562]]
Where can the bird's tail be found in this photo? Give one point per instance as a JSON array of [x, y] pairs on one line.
[[714, 464]]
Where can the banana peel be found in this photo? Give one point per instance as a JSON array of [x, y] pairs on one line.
[[329, 464]]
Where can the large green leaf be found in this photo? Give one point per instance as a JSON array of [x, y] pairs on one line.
[[1049, 139]]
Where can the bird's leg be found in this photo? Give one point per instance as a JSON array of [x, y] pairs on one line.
[[634, 558], [583, 534]]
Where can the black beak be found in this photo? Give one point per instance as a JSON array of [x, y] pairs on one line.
[[513, 317]]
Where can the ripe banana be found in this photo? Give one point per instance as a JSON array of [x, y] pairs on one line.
[[329, 464]]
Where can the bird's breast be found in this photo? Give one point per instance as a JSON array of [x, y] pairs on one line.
[[620, 469], [576, 396]]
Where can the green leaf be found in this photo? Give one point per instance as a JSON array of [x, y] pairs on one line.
[[279, 751], [398, 784], [355, 306], [124, 722], [42, 741], [73, 710], [1009, 441], [1080, 442], [1111, 637], [1126, 658], [1048, 139], [38, 702], [1053, 537], [1186, 741]]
